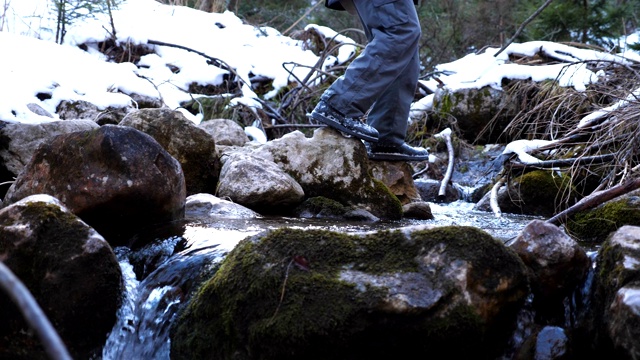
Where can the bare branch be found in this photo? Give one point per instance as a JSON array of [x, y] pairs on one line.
[[33, 314], [523, 25]]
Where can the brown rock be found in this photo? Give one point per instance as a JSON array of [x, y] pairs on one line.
[[117, 179]]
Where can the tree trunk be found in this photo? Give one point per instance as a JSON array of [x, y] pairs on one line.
[[216, 6]]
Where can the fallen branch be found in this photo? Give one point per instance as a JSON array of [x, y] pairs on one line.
[[595, 199], [493, 198], [547, 164], [33, 314], [446, 135]]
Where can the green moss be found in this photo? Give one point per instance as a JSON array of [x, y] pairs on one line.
[[538, 192], [595, 225], [281, 290], [365, 191], [271, 310], [469, 243], [322, 206], [446, 105], [54, 255]]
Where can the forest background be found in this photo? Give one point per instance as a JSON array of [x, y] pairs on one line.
[[454, 28]]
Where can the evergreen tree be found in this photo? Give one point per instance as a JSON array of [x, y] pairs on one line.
[[593, 22]]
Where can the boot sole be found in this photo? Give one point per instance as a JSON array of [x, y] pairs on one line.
[[336, 125], [396, 157]]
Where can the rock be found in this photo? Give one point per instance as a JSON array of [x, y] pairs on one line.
[[419, 210], [80, 109], [225, 132], [429, 190], [397, 176], [537, 192], [18, 141], [316, 294], [548, 343], [206, 207], [70, 270], [557, 265], [117, 179], [258, 184], [330, 165], [320, 207], [190, 145], [616, 296], [38, 110], [474, 110], [145, 101], [595, 225]]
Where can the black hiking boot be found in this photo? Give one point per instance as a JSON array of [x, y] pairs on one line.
[[354, 127], [402, 152]]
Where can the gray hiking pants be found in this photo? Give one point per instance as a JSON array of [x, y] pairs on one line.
[[384, 76]]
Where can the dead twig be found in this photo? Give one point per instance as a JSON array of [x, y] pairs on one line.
[[446, 136], [523, 25], [493, 198]]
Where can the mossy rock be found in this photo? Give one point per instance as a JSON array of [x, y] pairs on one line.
[[319, 294], [612, 321], [537, 192], [69, 269], [475, 111], [595, 225]]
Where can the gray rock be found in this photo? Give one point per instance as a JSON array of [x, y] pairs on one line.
[[557, 264], [616, 297], [18, 141], [258, 184], [206, 207], [225, 132], [80, 109], [330, 165]]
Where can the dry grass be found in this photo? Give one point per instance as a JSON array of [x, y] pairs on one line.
[[598, 156]]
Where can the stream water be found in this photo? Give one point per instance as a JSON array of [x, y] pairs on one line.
[[159, 276]]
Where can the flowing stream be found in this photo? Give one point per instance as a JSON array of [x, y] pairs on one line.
[[169, 268]]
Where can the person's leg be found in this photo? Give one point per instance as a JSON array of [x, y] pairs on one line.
[[394, 32], [390, 113]]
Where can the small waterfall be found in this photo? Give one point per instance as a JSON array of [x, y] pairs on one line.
[[151, 305]]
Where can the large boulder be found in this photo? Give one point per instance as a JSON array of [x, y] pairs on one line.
[[117, 179], [70, 270], [18, 141], [332, 166], [193, 147], [315, 294]]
